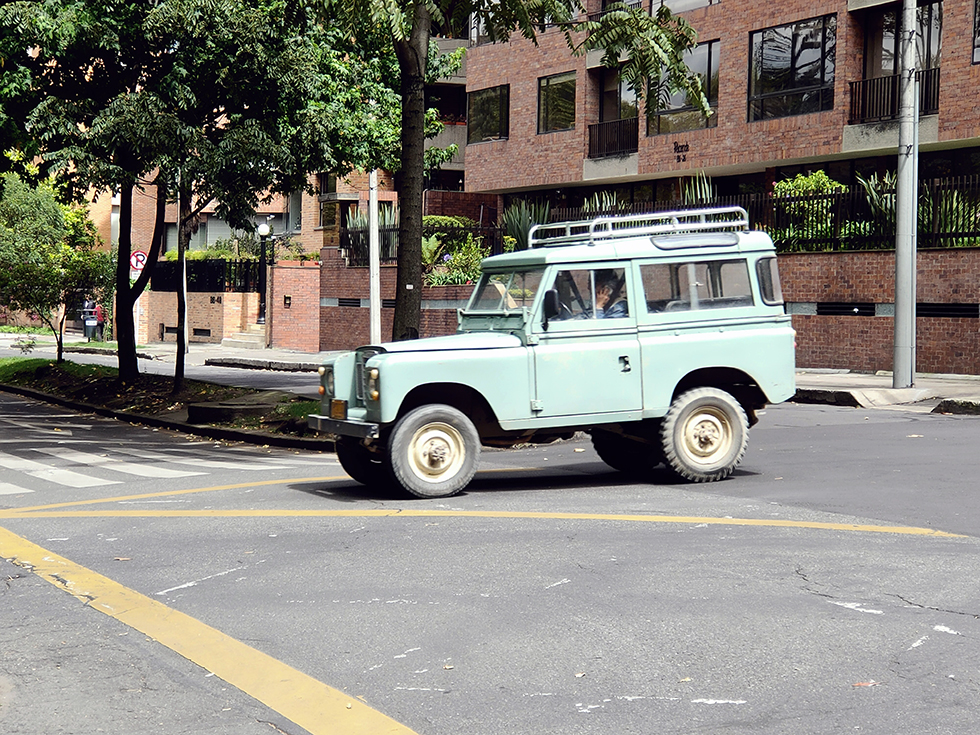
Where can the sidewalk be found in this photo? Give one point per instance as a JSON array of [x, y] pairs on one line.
[[958, 394], [941, 393]]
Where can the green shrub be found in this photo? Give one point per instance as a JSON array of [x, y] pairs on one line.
[[459, 267]]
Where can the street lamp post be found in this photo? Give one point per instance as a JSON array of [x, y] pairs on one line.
[[263, 231]]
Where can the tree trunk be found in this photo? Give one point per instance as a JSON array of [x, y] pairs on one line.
[[183, 239], [125, 294], [412, 61], [125, 300]]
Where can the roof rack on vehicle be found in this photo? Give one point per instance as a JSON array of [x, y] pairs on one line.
[[638, 225]]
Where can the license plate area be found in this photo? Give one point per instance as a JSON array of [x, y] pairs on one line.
[[338, 409]]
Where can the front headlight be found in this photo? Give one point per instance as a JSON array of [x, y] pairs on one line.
[[373, 383], [326, 381]]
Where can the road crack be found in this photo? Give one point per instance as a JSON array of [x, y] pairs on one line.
[[910, 603]]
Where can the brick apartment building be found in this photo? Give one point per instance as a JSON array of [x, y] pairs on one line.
[[795, 85]]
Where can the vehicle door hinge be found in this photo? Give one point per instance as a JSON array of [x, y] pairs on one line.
[[536, 405]]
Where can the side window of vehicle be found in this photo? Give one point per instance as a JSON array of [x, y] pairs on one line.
[[715, 284], [592, 294]]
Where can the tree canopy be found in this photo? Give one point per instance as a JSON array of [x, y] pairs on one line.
[[645, 47], [49, 255], [217, 101]]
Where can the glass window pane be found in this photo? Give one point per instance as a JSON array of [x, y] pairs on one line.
[[488, 115], [506, 291], [791, 68], [678, 112], [556, 102]]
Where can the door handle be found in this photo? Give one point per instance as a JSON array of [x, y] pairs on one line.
[[624, 360]]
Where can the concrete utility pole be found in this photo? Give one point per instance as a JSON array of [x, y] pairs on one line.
[[903, 369], [374, 260]]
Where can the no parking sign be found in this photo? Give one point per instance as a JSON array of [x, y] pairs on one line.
[[137, 260]]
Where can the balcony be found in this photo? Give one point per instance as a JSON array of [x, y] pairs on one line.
[[877, 100], [614, 138]]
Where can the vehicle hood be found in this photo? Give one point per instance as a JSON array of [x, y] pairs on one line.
[[464, 341]]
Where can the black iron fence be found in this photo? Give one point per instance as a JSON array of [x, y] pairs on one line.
[[856, 218], [208, 276], [354, 242]]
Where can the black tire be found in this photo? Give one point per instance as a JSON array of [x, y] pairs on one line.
[[363, 465], [433, 451], [626, 455], [704, 435]]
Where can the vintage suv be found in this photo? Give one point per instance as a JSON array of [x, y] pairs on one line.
[[659, 334]]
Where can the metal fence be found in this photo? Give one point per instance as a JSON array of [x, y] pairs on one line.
[[853, 219], [354, 242], [208, 276]]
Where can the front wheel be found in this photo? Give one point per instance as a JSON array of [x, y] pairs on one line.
[[704, 435], [433, 451], [360, 463]]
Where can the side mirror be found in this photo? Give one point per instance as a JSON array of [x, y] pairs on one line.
[[552, 306]]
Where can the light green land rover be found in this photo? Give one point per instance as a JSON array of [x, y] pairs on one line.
[[661, 335]]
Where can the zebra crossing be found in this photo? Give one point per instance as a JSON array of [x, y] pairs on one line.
[[85, 465]]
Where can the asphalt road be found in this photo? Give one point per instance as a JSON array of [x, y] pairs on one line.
[[182, 586]]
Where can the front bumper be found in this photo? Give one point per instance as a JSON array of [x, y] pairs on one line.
[[359, 429]]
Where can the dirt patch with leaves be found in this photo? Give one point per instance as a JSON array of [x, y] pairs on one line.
[[153, 395]]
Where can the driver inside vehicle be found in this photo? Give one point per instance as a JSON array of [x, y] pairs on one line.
[[588, 294], [609, 300]]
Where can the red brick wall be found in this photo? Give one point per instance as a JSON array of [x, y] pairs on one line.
[[943, 344], [959, 77], [530, 160], [224, 314], [296, 326], [478, 207], [347, 327]]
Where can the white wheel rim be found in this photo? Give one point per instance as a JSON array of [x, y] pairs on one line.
[[708, 435], [437, 452]]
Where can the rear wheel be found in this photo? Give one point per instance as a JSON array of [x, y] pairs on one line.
[[433, 451], [625, 455], [704, 435], [360, 463]]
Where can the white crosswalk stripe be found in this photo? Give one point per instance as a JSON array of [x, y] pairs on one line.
[[51, 474], [116, 465], [216, 464], [7, 488]]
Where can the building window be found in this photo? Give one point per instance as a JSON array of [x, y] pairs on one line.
[[488, 117], [976, 33], [791, 68], [556, 102], [618, 100], [882, 34], [678, 112]]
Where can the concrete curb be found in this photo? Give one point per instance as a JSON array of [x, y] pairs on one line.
[[210, 432], [247, 363]]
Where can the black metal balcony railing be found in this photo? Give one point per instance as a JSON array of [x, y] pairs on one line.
[[614, 138], [875, 100], [208, 276]]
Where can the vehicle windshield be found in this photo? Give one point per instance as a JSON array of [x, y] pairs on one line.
[[507, 292]]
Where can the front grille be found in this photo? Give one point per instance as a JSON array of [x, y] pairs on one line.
[[360, 376]]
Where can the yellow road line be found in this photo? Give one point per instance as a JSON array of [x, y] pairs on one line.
[[191, 491], [321, 709], [412, 513]]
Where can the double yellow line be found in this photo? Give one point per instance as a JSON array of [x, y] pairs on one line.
[[309, 703]]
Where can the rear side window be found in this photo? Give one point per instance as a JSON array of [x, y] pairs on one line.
[[772, 292], [714, 284]]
